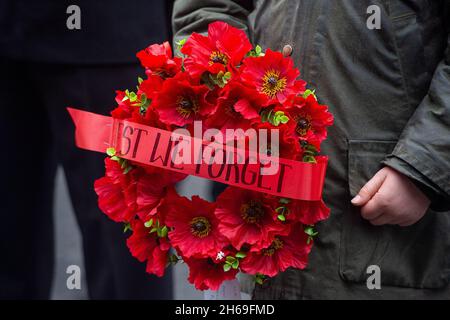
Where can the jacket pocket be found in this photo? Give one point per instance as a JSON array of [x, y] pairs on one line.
[[407, 26], [413, 257]]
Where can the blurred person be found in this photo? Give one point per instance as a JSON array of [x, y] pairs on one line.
[[388, 180], [45, 67]]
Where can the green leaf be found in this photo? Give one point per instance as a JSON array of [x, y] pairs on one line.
[[230, 259], [309, 159], [149, 223], [280, 117], [208, 81], [240, 255], [127, 95], [181, 43], [309, 230], [281, 217], [164, 232], [145, 103], [153, 230], [133, 97], [277, 118], [143, 99], [235, 264], [115, 158], [256, 52], [308, 93], [311, 148], [260, 278], [127, 169], [227, 267], [111, 152], [284, 119], [173, 259], [227, 76], [265, 114], [126, 227], [220, 79], [140, 80]]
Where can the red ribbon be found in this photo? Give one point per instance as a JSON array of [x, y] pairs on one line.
[[152, 146]]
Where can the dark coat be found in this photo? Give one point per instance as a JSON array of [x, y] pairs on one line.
[[389, 91]]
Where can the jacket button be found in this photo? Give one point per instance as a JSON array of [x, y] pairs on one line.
[[287, 50]]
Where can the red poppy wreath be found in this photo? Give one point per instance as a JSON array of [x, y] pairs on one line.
[[223, 82]]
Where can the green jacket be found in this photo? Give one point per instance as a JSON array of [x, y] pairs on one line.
[[389, 90]]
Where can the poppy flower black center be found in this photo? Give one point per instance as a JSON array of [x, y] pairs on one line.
[[218, 57], [200, 227], [252, 212], [276, 245], [272, 83], [303, 125], [186, 106]]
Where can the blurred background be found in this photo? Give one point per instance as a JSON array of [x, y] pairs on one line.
[[56, 54]]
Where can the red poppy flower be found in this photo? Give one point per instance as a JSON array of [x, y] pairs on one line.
[[158, 59], [311, 119], [195, 227], [284, 252], [288, 145], [224, 47], [151, 118], [150, 86], [149, 193], [115, 193], [146, 246], [180, 102], [273, 75], [124, 108], [246, 218], [237, 108], [207, 273], [307, 212], [151, 188]]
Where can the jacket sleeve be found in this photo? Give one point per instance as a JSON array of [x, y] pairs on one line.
[[423, 150], [194, 15]]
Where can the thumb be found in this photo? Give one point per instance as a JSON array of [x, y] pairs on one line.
[[370, 188]]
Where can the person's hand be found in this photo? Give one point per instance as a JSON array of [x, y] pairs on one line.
[[391, 198]]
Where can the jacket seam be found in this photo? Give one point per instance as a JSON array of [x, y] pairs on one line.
[[399, 60]]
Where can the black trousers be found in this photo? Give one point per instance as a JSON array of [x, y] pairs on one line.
[[36, 136]]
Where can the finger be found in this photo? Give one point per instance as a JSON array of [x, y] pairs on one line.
[[374, 208], [287, 50], [370, 188]]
